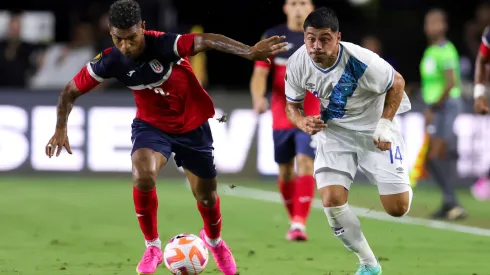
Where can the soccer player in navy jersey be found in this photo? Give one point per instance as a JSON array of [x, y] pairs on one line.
[[172, 114], [290, 143]]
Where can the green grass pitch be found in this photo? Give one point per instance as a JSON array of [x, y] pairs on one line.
[[83, 226]]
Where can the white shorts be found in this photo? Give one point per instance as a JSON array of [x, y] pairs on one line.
[[341, 151]]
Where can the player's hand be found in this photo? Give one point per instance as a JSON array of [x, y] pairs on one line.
[[481, 105], [312, 125], [383, 135], [57, 142], [268, 47], [260, 105]]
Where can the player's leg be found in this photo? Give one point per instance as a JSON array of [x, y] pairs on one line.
[[149, 154], [335, 169], [304, 187], [194, 152], [442, 137], [284, 152]]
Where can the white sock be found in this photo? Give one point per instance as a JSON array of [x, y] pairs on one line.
[[347, 227], [156, 242], [213, 242]]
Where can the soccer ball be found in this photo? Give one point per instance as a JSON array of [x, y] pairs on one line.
[[185, 254]]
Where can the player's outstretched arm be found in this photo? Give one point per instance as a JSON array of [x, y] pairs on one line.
[[260, 51], [481, 103], [65, 104]]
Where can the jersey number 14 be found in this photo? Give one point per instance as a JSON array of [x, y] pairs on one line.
[[397, 155]]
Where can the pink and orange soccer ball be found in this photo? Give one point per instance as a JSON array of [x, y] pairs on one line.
[[185, 254]]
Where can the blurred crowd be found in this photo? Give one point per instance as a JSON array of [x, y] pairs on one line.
[[49, 66]]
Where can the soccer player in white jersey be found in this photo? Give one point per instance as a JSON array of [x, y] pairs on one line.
[[360, 94]]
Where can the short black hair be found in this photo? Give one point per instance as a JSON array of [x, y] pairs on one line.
[[438, 10], [123, 14], [322, 18]]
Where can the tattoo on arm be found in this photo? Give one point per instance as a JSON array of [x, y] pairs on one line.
[[207, 41], [65, 104], [294, 112], [393, 97]]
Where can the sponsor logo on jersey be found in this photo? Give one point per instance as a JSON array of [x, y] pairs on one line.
[[156, 66]]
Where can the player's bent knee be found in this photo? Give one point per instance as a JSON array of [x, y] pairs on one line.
[[398, 210], [397, 205], [333, 195], [144, 179]]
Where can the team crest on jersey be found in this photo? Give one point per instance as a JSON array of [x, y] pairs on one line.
[[347, 88], [96, 58], [156, 66]]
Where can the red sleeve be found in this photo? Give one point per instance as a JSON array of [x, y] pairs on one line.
[[484, 50], [84, 81], [184, 45]]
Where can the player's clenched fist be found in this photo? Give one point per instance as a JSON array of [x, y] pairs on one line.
[[312, 125], [383, 135], [268, 47], [481, 105], [57, 142]]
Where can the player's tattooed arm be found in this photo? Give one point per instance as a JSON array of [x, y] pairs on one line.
[[394, 97], [66, 100], [296, 114], [260, 51]]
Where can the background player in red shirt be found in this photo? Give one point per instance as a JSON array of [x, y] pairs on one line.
[[290, 143], [172, 114], [481, 189]]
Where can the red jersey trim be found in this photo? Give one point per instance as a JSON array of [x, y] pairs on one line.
[[184, 45], [484, 50], [86, 79]]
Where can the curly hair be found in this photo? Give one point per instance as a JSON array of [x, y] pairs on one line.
[[123, 14]]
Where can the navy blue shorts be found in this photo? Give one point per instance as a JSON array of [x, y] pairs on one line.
[[193, 150], [289, 143]]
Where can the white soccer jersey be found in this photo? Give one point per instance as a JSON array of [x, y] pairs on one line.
[[351, 91]]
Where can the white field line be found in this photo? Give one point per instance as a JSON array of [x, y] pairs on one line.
[[270, 196]]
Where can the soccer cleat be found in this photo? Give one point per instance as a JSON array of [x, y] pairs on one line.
[[222, 256], [297, 235], [481, 189], [369, 270], [451, 213], [152, 258]]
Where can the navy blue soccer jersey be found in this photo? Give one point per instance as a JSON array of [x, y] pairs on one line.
[[166, 91]]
